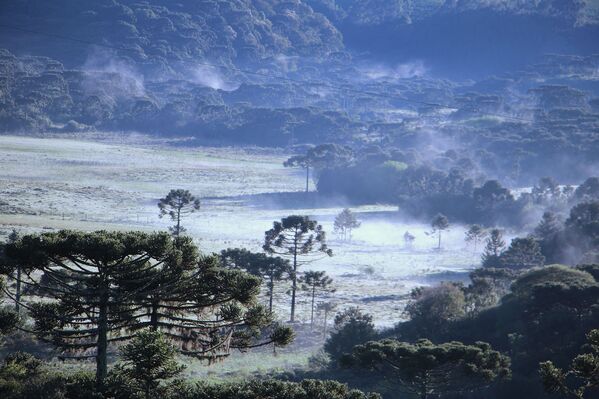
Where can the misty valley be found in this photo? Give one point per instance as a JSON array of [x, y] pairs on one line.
[[271, 199]]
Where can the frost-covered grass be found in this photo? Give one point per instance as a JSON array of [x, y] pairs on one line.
[[63, 183]]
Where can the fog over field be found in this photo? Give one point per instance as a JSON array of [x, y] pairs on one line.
[[299, 199]]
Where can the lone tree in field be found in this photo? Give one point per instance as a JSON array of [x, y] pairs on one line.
[[320, 157], [148, 359], [426, 369], [439, 224], [178, 204], [300, 239], [270, 268], [103, 287], [475, 234], [345, 222], [581, 379], [493, 248], [312, 282], [408, 239]]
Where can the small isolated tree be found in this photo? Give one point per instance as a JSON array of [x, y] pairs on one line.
[[314, 281], [352, 327], [345, 222], [493, 248], [439, 224], [426, 369], [270, 268], [326, 308], [178, 204], [475, 234], [523, 253], [300, 239], [581, 380], [320, 157], [148, 359], [408, 239]]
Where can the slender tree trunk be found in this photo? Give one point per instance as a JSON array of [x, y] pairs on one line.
[[312, 310], [154, 316], [102, 343], [439, 247], [271, 287], [294, 282], [18, 294], [307, 176], [178, 223], [324, 331]]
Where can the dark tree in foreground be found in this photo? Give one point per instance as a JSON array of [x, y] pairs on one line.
[[107, 285], [149, 358], [439, 224], [475, 234], [493, 248], [178, 204], [275, 389], [12, 269], [300, 239], [581, 380], [426, 369], [270, 268], [345, 222], [313, 281], [352, 327]]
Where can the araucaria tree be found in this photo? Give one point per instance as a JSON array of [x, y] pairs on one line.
[[148, 359], [427, 369], [300, 239], [270, 268], [439, 224], [312, 282], [103, 287], [177, 204], [475, 234], [493, 248], [345, 222]]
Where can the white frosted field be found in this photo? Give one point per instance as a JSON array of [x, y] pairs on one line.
[[56, 183]]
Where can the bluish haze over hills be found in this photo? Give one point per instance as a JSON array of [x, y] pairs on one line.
[[488, 79]]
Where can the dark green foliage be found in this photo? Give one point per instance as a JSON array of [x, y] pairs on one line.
[[178, 204], [148, 359], [581, 380], [273, 389], [352, 327], [9, 319], [300, 239], [426, 369], [548, 233], [432, 308], [523, 253]]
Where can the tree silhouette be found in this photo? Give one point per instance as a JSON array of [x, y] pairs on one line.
[[493, 248], [439, 224], [322, 156], [326, 308], [300, 239], [270, 268], [408, 239], [178, 204], [313, 281], [523, 253], [426, 369], [475, 234], [12, 269], [345, 222], [108, 285]]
